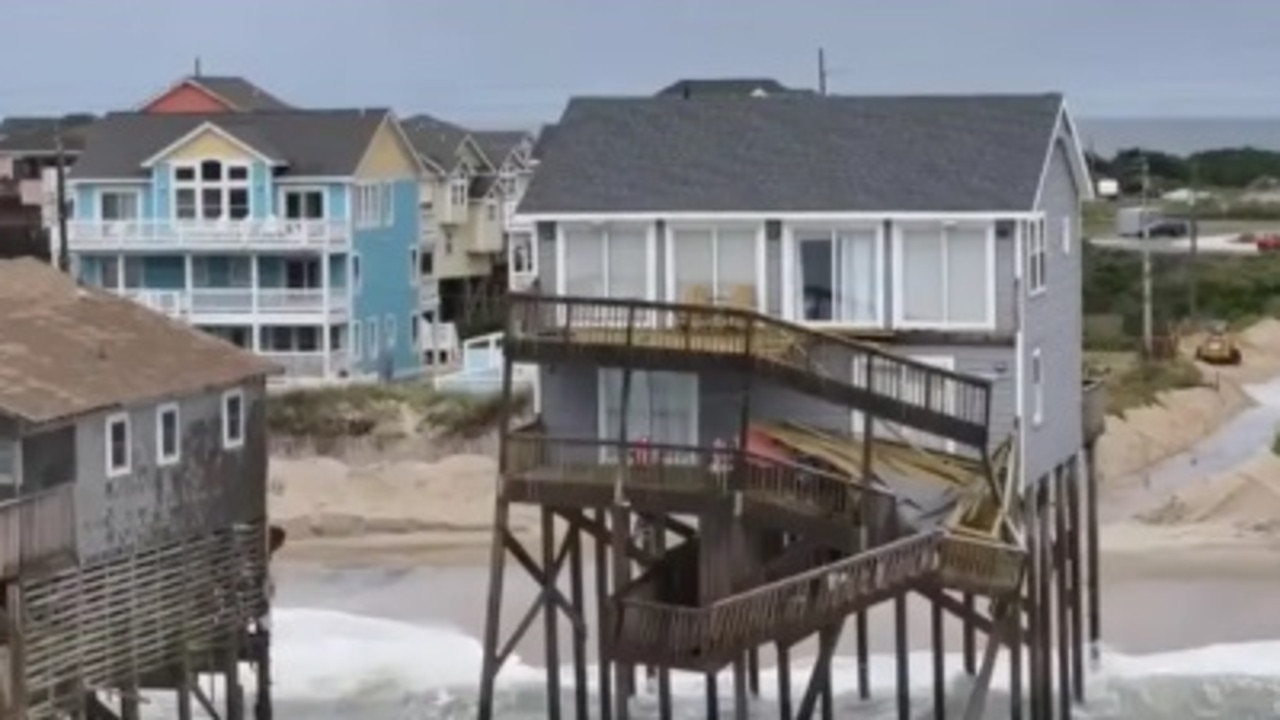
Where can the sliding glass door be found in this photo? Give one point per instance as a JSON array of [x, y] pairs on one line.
[[837, 277]]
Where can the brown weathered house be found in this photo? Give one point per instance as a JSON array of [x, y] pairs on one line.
[[133, 458]]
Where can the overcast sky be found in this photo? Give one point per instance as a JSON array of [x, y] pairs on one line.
[[500, 61]]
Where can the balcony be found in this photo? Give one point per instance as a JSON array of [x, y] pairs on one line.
[[38, 531], [209, 303], [428, 293], [163, 235], [304, 366]]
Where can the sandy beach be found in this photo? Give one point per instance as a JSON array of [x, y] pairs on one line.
[[1190, 541]]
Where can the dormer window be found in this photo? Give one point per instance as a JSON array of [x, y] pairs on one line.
[[211, 190]]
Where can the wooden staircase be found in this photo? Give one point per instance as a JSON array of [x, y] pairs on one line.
[[614, 332]]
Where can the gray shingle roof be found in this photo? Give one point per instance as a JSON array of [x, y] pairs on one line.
[[309, 142], [38, 134], [796, 153], [722, 87], [242, 94], [437, 140], [498, 144]]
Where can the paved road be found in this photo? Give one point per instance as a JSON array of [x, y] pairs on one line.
[[1209, 244]]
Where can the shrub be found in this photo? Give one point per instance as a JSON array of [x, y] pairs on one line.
[[1140, 383]]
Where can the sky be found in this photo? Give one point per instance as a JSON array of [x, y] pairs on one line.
[[515, 62]]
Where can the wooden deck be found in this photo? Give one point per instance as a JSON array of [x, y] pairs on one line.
[[38, 532], [696, 337]]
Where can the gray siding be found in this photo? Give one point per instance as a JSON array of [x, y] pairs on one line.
[[209, 487], [1052, 323]]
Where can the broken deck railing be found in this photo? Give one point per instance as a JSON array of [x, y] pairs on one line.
[[38, 529], [921, 394]]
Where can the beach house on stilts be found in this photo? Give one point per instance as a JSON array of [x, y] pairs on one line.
[[797, 356], [133, 537]]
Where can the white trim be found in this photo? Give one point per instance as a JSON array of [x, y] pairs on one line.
[[1083, 179], [816, 217], [762, 266], [73, 183], [209, 126], [896, 277], [228, 442], [1038, 249], [192, 82], [559, 260], [163, 459], [878, 261], [197, 186], [1067, 228], [120, 418], [603, 230], [788, 266], [310, 179], [651, 261], [1037, 387]]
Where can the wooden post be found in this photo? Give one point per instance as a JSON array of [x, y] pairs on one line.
[[550, 613], [604, 663], [1044, 595], [861, 626], [497, 557], [659, 549], [784, 681], [577, 597], [1061, 479], [713, 695], [938, 627], [262, 701], [903, 656], [623, 673], [741, 710], [1077, 591], [231, 669], [1032, 615], [969, 639], [16, 614], [1091, 541]]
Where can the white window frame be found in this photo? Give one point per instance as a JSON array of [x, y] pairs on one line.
[[356, 279], [373, 342], [491, 210], [672, 275], [230, 442], [527, 240], [459, 190], [198, 186], [388, 204], [163, 411], [114, 419], [1037, 258], [651, 260], [792, 238], [357, 340], [1037, 387], [390, 331], [282, 200], [1066, 234], [899, 269], [137, 204], [415, 266]]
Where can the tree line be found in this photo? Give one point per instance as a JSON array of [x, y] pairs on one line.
[[1222, 168]]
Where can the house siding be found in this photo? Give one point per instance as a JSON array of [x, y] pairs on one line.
[[209, 487], [1052, 323], [388, 286]]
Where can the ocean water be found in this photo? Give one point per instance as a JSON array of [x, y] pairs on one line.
[[331, 665]]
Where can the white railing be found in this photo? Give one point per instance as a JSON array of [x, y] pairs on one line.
[[269, 233], [230, 301], [440, 336], [428, 293], [308, 365]]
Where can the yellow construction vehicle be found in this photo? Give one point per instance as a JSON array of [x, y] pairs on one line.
[[1218, 347]]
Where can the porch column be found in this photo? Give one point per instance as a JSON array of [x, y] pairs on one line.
[[325, 345], [255, 324], [188, 281]]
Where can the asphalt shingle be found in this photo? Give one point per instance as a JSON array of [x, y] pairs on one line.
[[243, 95], [795, 153], [311, 142]]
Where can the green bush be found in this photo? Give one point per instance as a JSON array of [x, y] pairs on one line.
[[360, 410], [1141, 383]]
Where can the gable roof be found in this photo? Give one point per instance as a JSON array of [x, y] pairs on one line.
[[68, 350], [312, 143], [796, 153], [497, 145], [724, 87], [237, 93], [439, 142]]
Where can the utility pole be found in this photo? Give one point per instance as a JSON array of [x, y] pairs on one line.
[[1147, 341], [64, 253], [1193, 270], [822, 72]]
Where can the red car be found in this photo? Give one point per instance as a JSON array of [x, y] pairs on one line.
[[1267, 243]]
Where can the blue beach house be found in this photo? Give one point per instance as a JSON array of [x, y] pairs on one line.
[[292, 233]]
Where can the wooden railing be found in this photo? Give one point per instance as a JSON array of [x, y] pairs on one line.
[[979, 565], [37, 529], [919, 394], [791, 607], [687, 468]]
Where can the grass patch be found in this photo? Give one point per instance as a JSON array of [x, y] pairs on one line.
[[1137, 383], [362, 410]]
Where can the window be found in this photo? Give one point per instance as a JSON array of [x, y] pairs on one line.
[[458, 187], [119, 450], [608, 262], [943, 276], [389, 331], [428, 263], [355, 271], [211, 190], [663, 407], [714, 264], [168, 440], [302, 204], [232, 419], [8, 463], [357, 347], [115, 205], [415, 330], [415, 266], [1066, 234], [388, 207], [302, 273], [370, 204], [491, 210], [523, 259], [1037, 280], [372, 340], [837, 276], [1037, 388]]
